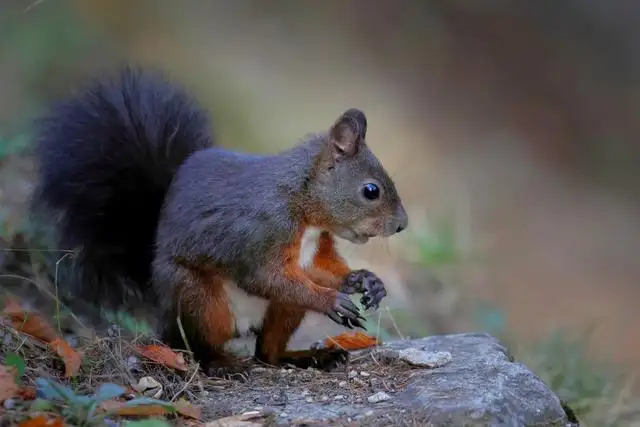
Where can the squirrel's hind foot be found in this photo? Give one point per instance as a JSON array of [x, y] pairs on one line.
[[323, 359], [225, 367]]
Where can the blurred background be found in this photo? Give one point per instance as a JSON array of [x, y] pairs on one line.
[[510, 128]]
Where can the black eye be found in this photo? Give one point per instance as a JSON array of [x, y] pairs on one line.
[[370, 191]]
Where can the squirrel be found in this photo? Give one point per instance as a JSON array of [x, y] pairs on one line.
[[222, 244]]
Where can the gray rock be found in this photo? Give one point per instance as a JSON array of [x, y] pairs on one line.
[[426, 359], [380, 396], [481, 384], [472, 382]]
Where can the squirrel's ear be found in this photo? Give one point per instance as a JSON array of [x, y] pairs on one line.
[[347, 133]]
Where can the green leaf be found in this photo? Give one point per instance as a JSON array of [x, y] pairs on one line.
[[16, 361], [108, 391], [54, 391], [41, 405], [82, 400], [91, 410]]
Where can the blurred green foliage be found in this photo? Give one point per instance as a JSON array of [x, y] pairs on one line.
[[438, 245], [44, 49]]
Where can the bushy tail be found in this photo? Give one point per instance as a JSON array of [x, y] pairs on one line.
[[106, 159]]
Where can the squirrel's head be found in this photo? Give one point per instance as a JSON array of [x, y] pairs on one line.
[[354, 193]]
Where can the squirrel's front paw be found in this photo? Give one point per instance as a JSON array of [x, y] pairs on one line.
[[345, 312], [366, 283]]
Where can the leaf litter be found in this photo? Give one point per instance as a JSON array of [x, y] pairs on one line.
[[99, 360]]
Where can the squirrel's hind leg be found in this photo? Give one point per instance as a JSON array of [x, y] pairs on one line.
[[280, 322], [207, 323]]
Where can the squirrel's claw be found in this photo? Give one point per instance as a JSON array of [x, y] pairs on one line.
[[346, 313], [347, 322]]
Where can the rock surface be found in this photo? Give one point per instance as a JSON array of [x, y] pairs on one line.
[[471, 380]]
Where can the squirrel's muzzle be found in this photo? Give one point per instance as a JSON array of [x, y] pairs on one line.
[[401, 219]]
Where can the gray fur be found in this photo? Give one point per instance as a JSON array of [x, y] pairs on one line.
[[234, 209]]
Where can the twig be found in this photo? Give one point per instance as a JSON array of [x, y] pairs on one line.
[[43, 290], [393, 321], [184, 387]]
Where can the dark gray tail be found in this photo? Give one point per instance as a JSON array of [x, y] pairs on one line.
[[106, 159]]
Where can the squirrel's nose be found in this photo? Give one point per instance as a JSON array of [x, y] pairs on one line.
[[402, 219]]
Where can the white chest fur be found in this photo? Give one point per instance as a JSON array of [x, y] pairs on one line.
[[309, 246], [248, 310]]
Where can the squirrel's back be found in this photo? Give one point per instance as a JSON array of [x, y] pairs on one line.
[[106, 159]]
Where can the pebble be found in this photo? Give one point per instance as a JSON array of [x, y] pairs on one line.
[[309, 400], [427, 359], [305, 393], [380, 396], [283, 414], [339, 397], [353, 374], [9, 404], [364, 374], [324, 398], [342, 384], [132, 363]]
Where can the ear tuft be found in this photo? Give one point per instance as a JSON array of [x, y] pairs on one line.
[[347, 133], [360, 119]]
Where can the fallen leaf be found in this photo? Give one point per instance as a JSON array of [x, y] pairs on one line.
[[27, 393], [8, 386], [29, 322], [351, 341], [72, 359], [122, 409], [248, 419], [163, 355], [186, 409], [149, 386], [43, 421]]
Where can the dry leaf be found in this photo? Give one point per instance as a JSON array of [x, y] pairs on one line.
[[182, 407], [188, 410], [163, 355], [29, 322], [120, 408], [43, 421], [72, 359], [351, 341], [8, 386], [27, 393], [248, 419], [149, 386]]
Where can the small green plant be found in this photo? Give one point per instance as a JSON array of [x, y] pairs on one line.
[[14, 360], [129, 323], [82, 409], [438, 245], [589, 385], [13, 145]]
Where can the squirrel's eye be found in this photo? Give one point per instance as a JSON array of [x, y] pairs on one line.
[[370, 191]]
